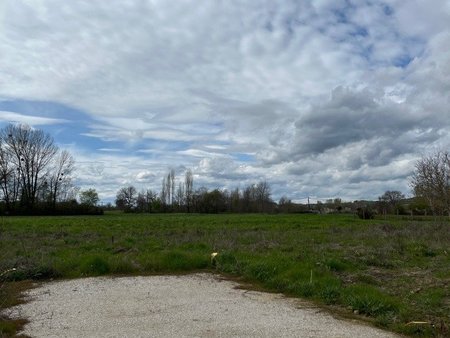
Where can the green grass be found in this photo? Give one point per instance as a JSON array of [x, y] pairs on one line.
[[391, 272]]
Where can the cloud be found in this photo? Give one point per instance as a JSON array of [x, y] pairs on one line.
[[12, 117], [322, 94]]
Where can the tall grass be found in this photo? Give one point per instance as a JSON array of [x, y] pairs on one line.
[[392, 272]]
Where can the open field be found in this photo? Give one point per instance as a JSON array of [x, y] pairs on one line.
[[393, 272]]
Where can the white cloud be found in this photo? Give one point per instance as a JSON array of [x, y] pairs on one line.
[[12, 117], [316, 92]]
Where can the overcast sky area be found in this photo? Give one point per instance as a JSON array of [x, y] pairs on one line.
[[324, 98]]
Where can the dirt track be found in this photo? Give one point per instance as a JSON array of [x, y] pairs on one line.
[[199, 305]]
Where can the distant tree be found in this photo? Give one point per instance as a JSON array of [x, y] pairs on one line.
[[337, 204], [390, 201], [141, 202], [319, 206], [168, 193], [164, 192], [179, 196], [171, 180], [431, 181], [126, 198], [262, 194], [235, 201], [209, 201], [365, 212], [248, 197], [89, 197], [285, 204], [147, 201], [188, 188]]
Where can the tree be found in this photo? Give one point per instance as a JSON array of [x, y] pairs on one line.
[[179, 197], [390, 201], [235, 200], [32, 169], [262, 195], [337, 204], [145, 200], [171, 180], [284, 204], [9, 177], [153, 202], [188, 188], [248, 198], [126, 198], [431, 181], [59, 180], [164, 192], [141, 202], [89, 197]]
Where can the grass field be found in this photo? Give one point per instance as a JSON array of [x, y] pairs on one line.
[[393, 272]]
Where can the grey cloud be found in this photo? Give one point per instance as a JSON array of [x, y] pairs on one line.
[[354, 116], [316, 91]]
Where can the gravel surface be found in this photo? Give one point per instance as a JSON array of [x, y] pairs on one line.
[[198, 305]]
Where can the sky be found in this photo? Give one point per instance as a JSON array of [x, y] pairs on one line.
[[324, 98]]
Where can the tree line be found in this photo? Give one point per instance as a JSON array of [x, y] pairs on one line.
[[430, 185], [180, 196]]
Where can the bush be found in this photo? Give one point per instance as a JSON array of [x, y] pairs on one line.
[[365, 213]]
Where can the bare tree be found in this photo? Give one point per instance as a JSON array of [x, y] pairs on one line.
[[59, 179], [9, 177], [431, 180], [145, 200], [150, 199], [30, 152], [179, 197], [188, 188], [168, 188], [284, 204], [126, 198], [164, 191], [172, 185], [391, 200], [235, 198], [141, 202], [262, 192], [169, 191]]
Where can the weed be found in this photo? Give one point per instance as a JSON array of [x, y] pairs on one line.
[[337, 265], [370, 301], [94, 266], [123, 266], [7, 328], [182, 261], [330, 294], [228, 263]]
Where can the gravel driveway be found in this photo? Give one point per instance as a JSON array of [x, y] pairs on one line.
[[198, 305]]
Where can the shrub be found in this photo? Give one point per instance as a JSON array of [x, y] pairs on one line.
[[365, 213]]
